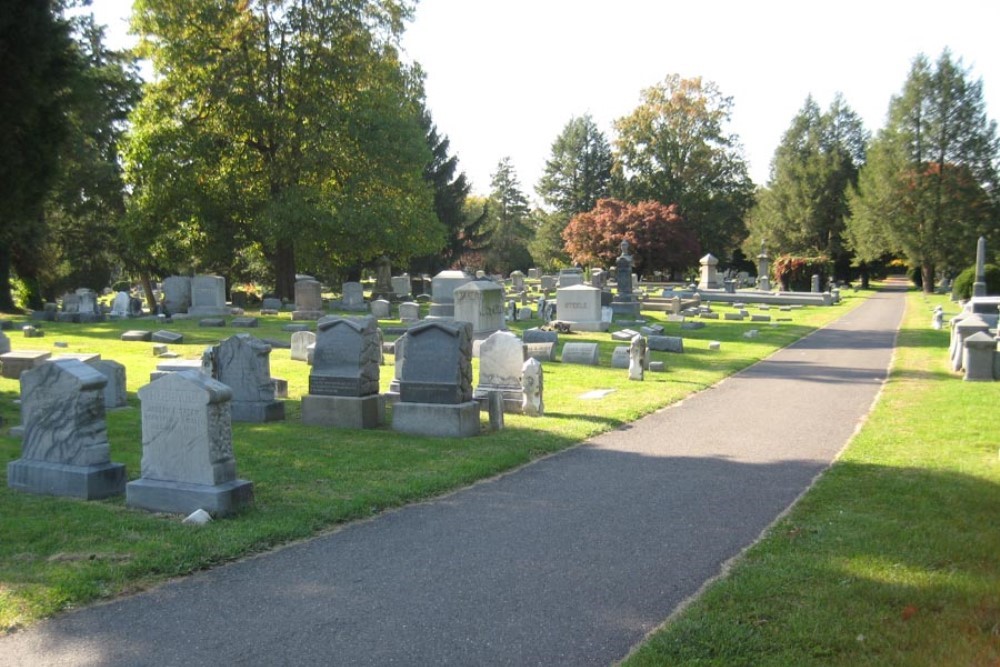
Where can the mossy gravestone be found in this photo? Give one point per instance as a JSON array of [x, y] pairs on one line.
[[187, 448], [65, 450]]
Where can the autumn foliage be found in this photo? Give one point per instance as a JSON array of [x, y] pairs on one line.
[[657, 235]]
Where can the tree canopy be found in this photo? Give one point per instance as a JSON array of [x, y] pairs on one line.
[[289, 126], [673, 148], [508, 225], [929, 188]]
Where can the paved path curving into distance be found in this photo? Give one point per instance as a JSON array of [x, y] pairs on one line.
[[567, 561]]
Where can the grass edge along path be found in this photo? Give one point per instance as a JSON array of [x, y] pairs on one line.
[[60, 553], [891, 558]]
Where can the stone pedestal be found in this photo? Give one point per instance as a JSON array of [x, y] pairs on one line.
[[709, 273], [91, 482], [436, 419], [980, 350], [343, 411], [158, 495]]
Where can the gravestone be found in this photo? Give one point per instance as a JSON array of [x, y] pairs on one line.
[[353, 298], [547, 283], [517, 281], [13, 363], [665, 343], [532, 380], [245, 322], [65, 451], [709, 277], [344, 379], [4, 343], [176, 294], [814, 283], [979, 286], [383, 279], [480, 303], [301, 340], [164, 336], [980, 350], [89, 310], [501, 357], [443, 287], [399, 354], [308, 300], [580, 305], [638, 359], [121, 307], [536, 335], [208, 296], [409, 312], [624, 302], [243, 363], [114, 390], [540, 351], [187, 449], [435, 387], [581, 353], [401, 286], [619, 357], [137, 335], [763, 270], [270, 306], [381, 309], [570, 277]]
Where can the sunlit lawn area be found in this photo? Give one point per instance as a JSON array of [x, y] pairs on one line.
[[58, 553], [893, 558]]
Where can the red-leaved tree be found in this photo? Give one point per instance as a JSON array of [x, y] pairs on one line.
[[657, 236]]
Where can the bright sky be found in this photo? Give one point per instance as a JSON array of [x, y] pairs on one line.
[[505, 76]]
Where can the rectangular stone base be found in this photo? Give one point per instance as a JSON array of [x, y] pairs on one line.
[[589, 326], [247, 411], [343, 411], [307, 314], [57, 479], [434, 419], [158, 495]]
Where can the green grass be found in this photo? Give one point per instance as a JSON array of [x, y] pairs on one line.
[[892, 558], [58, 553]]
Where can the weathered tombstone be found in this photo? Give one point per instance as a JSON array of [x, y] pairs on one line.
[[637, 362], [383, 279], [65, 449], [666, 343], [581, 353], [763, 270], [12, 364], [480, 303], [187, 449], [534, 273], [176, 294], [570, 277], [532, 380], [517, 281], [435, 387], [536, 335], [980, 349], [547, 283], [242, 362], [353, 298], [540, 351], [709, 273], [401, 286], [979, 286], [301, 340], [344, 380], [208, 296], [443, 287], [122, 305], [270, 306], [580, 305], [381, 309], [308, 300], [937, 321], [114, 390], [409, 312], [814, 283], [501, 357], [620, 357]]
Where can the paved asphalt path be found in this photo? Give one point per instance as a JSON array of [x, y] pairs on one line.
[[569, 561]]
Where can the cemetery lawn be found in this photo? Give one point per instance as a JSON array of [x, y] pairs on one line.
[[892, 558], [58, 553]]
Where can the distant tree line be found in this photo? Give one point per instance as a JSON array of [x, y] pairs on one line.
[[278, 137]]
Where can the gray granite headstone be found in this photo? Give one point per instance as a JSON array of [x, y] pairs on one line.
[[164, 336], [501, 357], [137, 336], [536, 335], [381, 309], [208, 296], [665, 343], [409, 311], [344, 380], [308, 300], [65, 449], [581, 353], [301, 340], [177, 294], [114, 390], [480, 303], [4, 343], [619, 358], [13, 363], [242, 362], [540, 351], [187, 449]]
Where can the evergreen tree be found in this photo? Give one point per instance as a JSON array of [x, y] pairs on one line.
[[509, 222], [804, 208], [929, 188]]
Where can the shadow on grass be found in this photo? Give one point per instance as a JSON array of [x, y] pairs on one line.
[[578, 556]]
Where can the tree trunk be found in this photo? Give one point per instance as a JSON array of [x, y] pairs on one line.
[[927, 277], [284, 270], [864, 275], [6, 297], [147, 289]]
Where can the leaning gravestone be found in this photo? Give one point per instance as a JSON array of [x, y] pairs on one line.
[[242, 362], [344, 380], [65, 449], [501, 357], [435, 388], [208, 296], [187, 448]]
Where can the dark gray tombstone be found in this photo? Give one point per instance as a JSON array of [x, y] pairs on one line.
[[243, 363], [344, 380]]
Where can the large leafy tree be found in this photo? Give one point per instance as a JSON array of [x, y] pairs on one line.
[[576, 175], [804, 207], [929, 188], [674, 149], [39, 63], [289, 126], [657, 235], [509, 221]]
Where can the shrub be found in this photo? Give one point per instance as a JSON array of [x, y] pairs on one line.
[[795, 273], [962, 287]]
